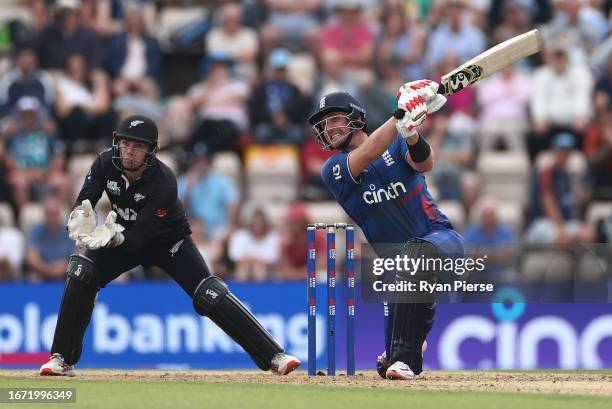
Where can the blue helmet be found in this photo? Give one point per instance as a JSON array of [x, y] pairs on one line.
[[341, 102]]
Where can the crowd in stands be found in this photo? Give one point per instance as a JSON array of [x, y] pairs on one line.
[[523, 157]]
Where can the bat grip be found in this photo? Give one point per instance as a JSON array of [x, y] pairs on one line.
[[399, 113]]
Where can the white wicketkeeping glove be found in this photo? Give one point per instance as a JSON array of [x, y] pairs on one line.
[[107, 235], [427, 89], [82, 220], [416, 113]]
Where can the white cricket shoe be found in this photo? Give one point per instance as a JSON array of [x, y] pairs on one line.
[[382, 362], [57, 367], [401, 371], [282, 364]]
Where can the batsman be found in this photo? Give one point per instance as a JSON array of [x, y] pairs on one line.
[[147, 226], [378, 180]]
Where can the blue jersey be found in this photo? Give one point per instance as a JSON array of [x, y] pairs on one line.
[[389, 200]]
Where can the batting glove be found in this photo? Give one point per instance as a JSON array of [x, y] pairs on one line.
[[82, 220], [416, 113], [428, 90], [107, 235]]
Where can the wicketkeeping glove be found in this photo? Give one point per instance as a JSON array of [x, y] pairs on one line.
[[428, 90], [107, 235], [416, 113], [82, 220]]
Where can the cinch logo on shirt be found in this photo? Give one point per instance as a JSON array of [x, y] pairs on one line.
[[113, 188], [377, 196]]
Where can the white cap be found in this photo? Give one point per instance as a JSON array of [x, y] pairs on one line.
[[28, 103]]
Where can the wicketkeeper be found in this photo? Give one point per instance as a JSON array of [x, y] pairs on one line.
[[147, 226]]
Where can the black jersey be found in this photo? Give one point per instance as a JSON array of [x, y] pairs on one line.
[[148, 208]]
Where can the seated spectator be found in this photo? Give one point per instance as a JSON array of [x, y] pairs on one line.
[[492, 238], [220, 102], [555, 203], [602, 95], [210, 249], [48, 246], [454, 35], [348, 38], [66, 35], [598, 148], [312, 158], [278, 109], [255, 249], [209, 196], [564, 107], [577, 24], [134, 58], [516, 20], [234, 39], [12, 249], [401, 42], [26, 79], [84, 106], [292, 263], [35, 159], [503, 103], [110, 14], [290, 24], [454, 157]]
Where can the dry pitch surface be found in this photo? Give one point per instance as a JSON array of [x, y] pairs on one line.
[[592, 383]]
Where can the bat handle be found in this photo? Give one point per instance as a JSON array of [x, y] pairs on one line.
[[399, 113]]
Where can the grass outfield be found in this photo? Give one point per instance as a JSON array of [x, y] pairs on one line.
[[152, 390]]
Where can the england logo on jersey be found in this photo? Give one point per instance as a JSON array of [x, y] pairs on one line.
[[388, 158]]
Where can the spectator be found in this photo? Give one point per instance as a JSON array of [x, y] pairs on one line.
[[255, 249], [454, 155], [65, 36], [503, 102], [234, 39], [555, 202], [36, 158], [209, 196], [348, 38], [566, 106], [312, 158], [278, 109], [455, 36], [12, 248], [210, 249], [579, 26], [292, 263], [110, 14], [48, 245], [134, 58], [516, 20], [25, 80], [491, 237], [84, 106], [294, 21], [602, 95], [401, 42], [220, 101], [598, 148]]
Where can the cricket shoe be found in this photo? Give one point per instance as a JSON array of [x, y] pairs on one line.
[[382, 362], [57, 367], [283, 364], [400, 371]]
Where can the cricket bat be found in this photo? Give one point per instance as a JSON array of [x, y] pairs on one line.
[[488, 63]]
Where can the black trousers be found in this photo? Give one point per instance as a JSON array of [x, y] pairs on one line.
[[181, 260]]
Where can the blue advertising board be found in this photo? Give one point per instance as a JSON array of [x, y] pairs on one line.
[[153, 325]]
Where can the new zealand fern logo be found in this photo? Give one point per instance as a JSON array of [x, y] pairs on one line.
[[463, 78]]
